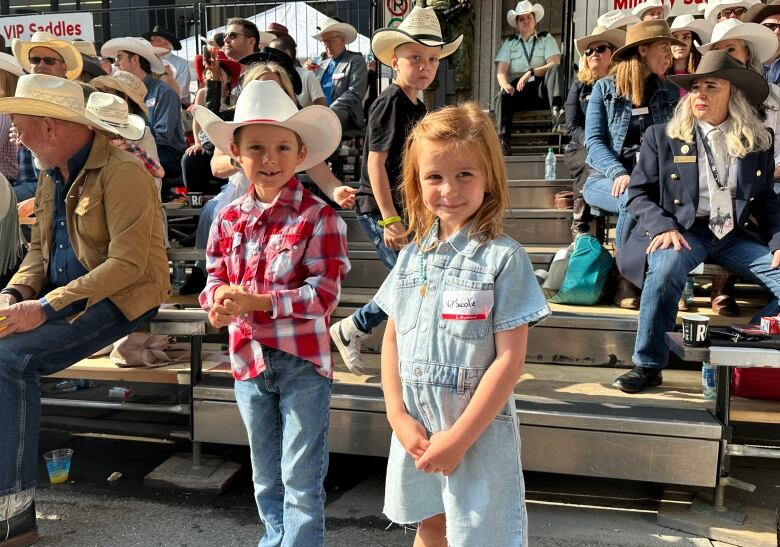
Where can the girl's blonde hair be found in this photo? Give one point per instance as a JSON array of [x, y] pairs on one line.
[[746, 133], [630, 75], [8, 83], [258, 69], [449, 131]]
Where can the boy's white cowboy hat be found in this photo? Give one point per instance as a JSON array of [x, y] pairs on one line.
[[616, 19], [124, 82], [522, 8], [421, 26], [10, 64], [139, 46], [762, 39], [266, 102], [650, 4], [714, 7], [615, 37], [331, 24], [702, 28], [71, 56], [113, 112]]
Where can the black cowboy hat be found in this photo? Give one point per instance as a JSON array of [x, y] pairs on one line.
[[92, 66], [273, 55], [160, 31], [758, 12]]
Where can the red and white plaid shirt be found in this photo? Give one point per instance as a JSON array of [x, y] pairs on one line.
[[296, 251]]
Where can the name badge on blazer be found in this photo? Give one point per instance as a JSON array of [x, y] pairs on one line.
[[685, 159], [339, 76]]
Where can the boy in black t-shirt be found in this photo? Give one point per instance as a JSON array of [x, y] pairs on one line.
[[413, 50]]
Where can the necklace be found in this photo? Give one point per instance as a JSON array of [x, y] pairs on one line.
[[422, 272]]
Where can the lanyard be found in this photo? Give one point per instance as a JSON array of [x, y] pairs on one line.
[[527, 56], [711, 160]]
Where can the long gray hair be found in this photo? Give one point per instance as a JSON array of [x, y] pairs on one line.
[[746, 134]]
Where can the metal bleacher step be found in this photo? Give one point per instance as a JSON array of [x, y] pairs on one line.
[[531, 166]]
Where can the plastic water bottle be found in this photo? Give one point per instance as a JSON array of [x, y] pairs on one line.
[[549, 165], [708, 385]]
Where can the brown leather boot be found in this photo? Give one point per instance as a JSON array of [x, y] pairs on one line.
[[723, 303], [626, 294]]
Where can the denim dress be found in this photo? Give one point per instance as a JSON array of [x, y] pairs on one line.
[[446, 343]]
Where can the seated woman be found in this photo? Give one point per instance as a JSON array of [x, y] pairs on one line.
[[595, 58], [702, 190], [685, 58], [622, 106], [528, 69]]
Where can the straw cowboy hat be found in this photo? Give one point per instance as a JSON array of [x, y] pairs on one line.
[[616, 19], [700, 27], [758, 12], [645, 32], [126, 83], [719, 64], [331, 24], [650, 4], [714, 7], [162, 32], [112, 111], [522, 8], [233, 68], [10, 64], [139, 46], [266, 102], [759, 36], [600, 34], [71, 56], [421, 26]]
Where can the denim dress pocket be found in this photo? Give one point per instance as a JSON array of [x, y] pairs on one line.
[[467, 305], [407, 291]]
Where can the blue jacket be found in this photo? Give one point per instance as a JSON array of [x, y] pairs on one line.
[[664, 195], [608, 117]]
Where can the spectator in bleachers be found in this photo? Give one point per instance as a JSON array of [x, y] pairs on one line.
[[595, 58], [688, 30], [311, 90], [242, 38], [769, 16], [527, 70], [161, 38], [136, 56], [276, 56], [616, 19], [720, 10], [10, 70], [652, 10], [91, 64], [343, 74], [702, 191], [622, 106], [278, 30]]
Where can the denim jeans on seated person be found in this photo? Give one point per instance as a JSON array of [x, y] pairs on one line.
[[24, 358], [667, 271], [597, 192], [285, 410]]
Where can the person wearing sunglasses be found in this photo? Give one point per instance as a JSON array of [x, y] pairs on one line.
[[721, 10], [242, 38], [768, 15]]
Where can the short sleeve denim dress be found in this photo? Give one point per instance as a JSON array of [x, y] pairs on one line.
[[445, 344]]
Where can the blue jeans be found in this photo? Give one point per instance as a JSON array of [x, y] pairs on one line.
[[371, 316], [285, 411], [667, 271], [24, 358], [598, 193]]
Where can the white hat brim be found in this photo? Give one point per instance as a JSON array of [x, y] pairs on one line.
[[700, 27], [10, 64], [133, 131], [640, 9], [111, 47], [350, 33], [317, 126], [73, 61], [385, 42], [537, 10], [762, 38], [615, 37]]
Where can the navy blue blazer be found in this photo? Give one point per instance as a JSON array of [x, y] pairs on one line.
[[664, 194]]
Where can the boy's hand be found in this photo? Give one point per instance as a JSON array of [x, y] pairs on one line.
[[443, 455], [344, 196], [394, 236], [411, 434], [219, 319], [239, 301]]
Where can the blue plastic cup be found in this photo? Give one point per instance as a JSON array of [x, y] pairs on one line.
[[58, 464]]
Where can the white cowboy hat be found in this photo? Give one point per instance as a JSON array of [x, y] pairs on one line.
[[421, 26], [69, 54], [762, 39], [616, 19], [714, 7], [650, 4], [139, 46], [332, 25], [10, 64], [702, 28], [266, 102], [522, 8], [112, 111], [615, 37]]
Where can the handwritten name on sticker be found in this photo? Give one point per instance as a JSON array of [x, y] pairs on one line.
[[466, 305]]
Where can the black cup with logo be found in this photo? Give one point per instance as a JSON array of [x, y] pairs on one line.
[[195, 199], [695, 330]]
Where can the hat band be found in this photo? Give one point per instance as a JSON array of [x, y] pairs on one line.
[[427, 37], [115, 124]]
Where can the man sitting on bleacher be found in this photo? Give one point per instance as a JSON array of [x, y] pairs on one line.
[[95, 270]]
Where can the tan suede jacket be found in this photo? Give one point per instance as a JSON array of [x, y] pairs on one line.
[[115, 228]]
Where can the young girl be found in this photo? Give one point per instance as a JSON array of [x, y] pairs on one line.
[[460, 301]]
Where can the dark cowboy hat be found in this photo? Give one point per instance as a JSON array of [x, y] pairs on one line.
[[277, 29], [273, 55], [92, 66], [758, 12], [160, 31], [719, 64]]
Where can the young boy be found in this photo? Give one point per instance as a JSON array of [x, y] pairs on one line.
[[413, 50], [275, 259]]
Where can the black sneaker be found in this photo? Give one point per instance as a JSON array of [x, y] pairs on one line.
[[20, 530], [638, 379]]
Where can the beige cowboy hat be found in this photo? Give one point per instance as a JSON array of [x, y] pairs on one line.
[[522, 8], [714, 7], [126, 83], [650, 4], [762, 39], [600, 34], [421, 26], [10, 64], [112, 111], [616, 19], [69, 54], [266, 102], [85, 47], [645, 32], [139, 46], [331, 24], [700, 27]]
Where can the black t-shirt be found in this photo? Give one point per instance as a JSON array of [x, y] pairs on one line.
[[390, 119]]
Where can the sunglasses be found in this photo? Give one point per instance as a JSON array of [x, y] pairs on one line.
[[233, 35], [598, 49], [772, 26], [729, 12], [46, 60]]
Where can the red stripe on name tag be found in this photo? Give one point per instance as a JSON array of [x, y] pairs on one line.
[[464, 317]]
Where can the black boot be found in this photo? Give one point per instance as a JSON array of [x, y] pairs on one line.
[[20, 530], [638, 379]]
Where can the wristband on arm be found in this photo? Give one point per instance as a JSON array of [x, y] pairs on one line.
[[389, 221]]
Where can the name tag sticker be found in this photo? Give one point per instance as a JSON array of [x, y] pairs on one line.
[[466, 305], [532, 78], [685, 159], [640, 111], [82, 206]]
